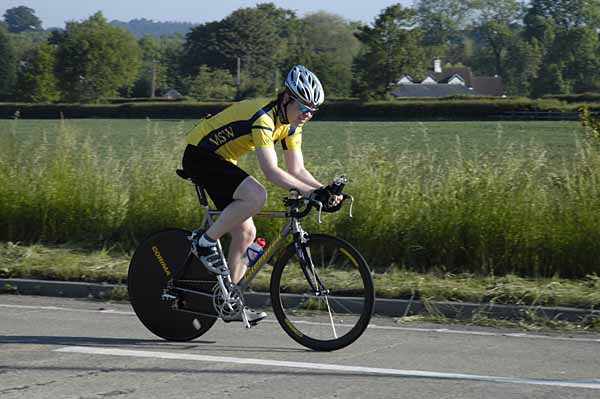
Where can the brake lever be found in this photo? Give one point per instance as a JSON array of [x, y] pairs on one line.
[[351, 198], [320, 205]]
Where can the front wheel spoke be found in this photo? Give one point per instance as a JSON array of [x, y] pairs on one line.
[[333, 257], [331, 318]]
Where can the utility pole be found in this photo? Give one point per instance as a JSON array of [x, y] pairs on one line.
[[153, 85], [239, 71]]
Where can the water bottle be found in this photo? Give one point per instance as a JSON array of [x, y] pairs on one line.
[[254, 251]]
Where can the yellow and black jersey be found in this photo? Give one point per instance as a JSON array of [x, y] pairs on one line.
[[242, 127]]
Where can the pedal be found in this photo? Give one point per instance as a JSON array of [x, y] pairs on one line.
[[167, 297]]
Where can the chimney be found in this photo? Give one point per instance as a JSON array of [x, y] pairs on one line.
[[437, 65]]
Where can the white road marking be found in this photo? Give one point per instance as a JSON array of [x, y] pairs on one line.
[[371, 326], [593, 384], [60, 308]]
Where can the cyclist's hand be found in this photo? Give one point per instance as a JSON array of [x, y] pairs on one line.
[[335, 200], [331, 202], [320, 194]]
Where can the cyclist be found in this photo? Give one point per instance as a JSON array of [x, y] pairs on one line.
[[217, 142]]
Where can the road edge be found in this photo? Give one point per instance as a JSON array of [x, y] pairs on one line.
[[383, 307]]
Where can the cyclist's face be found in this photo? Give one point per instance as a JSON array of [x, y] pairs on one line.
[[299, 113]]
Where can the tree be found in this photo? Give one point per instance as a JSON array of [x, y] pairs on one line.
[[582, 59], [25, 43], [251, 36], [521, 66], [332, 46], [442, 23], [568, 32], [8, 66], [566, 14], [551, 81], [202, 47], [171, 62], [95, 59], [141, 27], [37, 81], [500, 47], [258, 37], [21, 19], [391, 48], [151, 73], [213, 84]]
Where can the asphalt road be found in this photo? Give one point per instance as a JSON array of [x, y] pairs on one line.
[[67, 348]]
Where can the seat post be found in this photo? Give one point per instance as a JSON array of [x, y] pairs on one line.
[[199, 189], [201, 195]]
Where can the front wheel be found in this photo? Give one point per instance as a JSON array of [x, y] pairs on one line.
[[322, 293]]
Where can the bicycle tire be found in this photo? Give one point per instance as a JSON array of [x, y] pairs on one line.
[[346, 309], [155, 260]]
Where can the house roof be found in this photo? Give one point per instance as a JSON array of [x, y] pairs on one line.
[[437, 90], [447, 73], [449, 78], [407, 77], [429, 78], [488, 86], [482, 86]]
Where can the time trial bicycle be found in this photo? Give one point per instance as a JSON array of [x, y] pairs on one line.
[[321, 288]]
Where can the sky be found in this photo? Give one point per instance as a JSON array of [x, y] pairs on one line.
[[54, 13]]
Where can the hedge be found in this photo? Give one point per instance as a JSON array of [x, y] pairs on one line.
[[576, 98], [426, 109]]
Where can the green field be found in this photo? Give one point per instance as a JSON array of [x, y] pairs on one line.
[[486, 198], [329, 140]]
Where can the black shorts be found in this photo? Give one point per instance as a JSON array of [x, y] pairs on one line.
[[219, 177]]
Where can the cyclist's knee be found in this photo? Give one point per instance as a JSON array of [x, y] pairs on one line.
[[246, 232], [261, 199]]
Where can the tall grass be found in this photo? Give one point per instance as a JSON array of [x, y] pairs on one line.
[[510, 211], [65, 192]]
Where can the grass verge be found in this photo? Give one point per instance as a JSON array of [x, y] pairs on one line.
[[72, 263], [529, 322]]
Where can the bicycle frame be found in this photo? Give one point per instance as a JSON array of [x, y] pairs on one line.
[[224, 282], [292, 226]]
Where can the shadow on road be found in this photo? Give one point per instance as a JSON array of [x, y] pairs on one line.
[[133, 343]]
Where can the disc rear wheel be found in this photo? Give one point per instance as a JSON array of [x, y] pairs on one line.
[[155, 262]]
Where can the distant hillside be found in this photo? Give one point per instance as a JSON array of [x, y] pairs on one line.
[[141, 27]]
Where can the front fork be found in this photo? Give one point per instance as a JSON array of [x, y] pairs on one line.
[[301, 241]]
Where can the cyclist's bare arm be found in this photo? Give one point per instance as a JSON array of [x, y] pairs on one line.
[[295, 166], [267, 159]]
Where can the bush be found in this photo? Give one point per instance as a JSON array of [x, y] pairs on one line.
[[576, 98], [444, 109]]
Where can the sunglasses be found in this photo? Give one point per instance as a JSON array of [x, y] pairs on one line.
[[305, 109]]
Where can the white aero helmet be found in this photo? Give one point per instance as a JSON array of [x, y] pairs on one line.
[[305, 86]]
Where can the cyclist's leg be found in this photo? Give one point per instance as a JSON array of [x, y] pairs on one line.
[[242, 237], [248, 199]]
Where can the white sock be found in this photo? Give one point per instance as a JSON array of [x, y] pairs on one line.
[[204, 241]]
